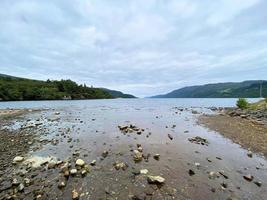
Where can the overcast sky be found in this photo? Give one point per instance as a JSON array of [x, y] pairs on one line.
[[142, 47]]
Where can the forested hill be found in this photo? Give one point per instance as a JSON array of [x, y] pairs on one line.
[[14, 88], [246, 89]]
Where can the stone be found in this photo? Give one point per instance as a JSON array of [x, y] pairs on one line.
[[93, 162], [75, 195], [156, 156], [20, 187], [140, 149], [155, 179], [170, 136], [248, 177], [61, 185], [143, 171], [258, 183], [191, 172], [105, 154], [80, 162], [197, 165], [120, 165], [73, 172], [137, 156], [250, 154], [212, 175], [18, 159], [84, 172], [27, 181], [15, 182]]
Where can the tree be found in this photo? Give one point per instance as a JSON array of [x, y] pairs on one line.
[[242, 103]]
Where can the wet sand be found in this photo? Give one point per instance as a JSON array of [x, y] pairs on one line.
[[212, 170], [247, 133]]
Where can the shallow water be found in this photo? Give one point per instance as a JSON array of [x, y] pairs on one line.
[[93, 128]]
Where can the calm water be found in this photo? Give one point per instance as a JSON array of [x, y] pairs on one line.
[[183, 102]]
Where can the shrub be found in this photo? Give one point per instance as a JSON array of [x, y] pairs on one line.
[[242, 103]]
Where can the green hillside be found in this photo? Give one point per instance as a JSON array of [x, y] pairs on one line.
[[13, 88], [246, 89]]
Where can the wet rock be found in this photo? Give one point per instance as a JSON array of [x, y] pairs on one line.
[[143, 171], [140, 149], [15, 182], [191, 172], [83, 172], [258, 183], [248, 177], [198, 140], [93, 163], [80, 162], [170, 136], [223, 174], [250, 154], [73, 172], [21, 187], [213, 189], [120, 165], [18, 159], [61, 185], [105, 154], [137, 156], [156, 156], [212, 175], [155, 179], [51, 165], [27, 181], [224, 185], [75, 195], [197, 165]]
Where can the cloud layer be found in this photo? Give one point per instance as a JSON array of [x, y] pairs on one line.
[[139, 47]]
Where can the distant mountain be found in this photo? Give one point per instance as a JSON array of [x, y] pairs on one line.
[[246, 89], [16, 89], [118, 94]]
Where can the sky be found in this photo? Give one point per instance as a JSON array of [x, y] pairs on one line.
[[141, 47]]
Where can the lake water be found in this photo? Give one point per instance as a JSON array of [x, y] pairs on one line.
[[179, 102], [90, 127]]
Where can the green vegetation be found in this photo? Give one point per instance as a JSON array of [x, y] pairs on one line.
[[13, 88], [260, 105], [246, 89], [242, 103]]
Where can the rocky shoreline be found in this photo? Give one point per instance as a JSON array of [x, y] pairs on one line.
[[245, 127]]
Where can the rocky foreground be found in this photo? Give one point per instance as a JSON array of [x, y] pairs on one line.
[[107, 153]]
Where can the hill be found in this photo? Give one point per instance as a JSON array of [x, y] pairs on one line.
[[246, 89], [118, 94], [14, 89]]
